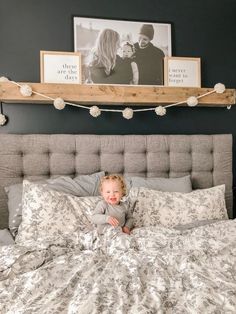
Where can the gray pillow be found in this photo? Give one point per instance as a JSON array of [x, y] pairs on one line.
[[83, 185], [182, 184], [5, 237]]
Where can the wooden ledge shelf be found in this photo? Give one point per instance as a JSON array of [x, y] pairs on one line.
[[114, 94]]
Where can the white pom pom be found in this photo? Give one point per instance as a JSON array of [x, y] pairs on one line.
[[160, 111], [192, 101], [59, 103], [128, 113], [3, 119], [219, 88], [26, 90], [4, 79], [95, 111]]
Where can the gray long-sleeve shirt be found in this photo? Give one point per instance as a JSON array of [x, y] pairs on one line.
[[121, 212]]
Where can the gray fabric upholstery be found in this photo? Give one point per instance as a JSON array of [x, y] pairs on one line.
[[207, 158]]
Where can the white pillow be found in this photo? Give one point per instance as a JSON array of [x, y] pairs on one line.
[[48, 215], [170, 209]]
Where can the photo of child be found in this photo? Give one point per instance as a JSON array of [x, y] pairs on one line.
[[128, 53]]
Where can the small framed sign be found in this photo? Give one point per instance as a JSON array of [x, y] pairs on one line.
[[60, 67], [182, 72]]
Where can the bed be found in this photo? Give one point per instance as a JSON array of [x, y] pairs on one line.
[[179, 258]]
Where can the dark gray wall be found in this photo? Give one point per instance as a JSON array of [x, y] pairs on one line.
[[200, 28]]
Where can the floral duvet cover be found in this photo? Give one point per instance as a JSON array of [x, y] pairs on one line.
[[154, 270]]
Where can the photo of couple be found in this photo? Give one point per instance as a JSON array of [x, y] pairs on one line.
[[122, 52]]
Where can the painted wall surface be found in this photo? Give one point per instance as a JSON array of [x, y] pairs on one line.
[[204, 29]]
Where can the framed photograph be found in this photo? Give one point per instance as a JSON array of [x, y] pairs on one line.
[[60, 67], [182, 72], [122, 52]]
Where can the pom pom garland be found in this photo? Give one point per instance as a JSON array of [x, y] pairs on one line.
[[160, 111], [192, 101], [3, 119], [219, 88], [26, 90], [4, 79], [128, 113], [59, 103], [95, 111]]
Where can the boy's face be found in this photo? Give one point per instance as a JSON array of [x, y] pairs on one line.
[[127, 51], [112, 192]]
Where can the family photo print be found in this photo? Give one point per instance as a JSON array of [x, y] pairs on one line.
[[122, 52]]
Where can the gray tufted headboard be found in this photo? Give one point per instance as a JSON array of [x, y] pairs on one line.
[[208, 158]]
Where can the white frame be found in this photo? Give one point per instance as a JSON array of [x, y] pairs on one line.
[[162, 34], [60, 67], [182, 72]]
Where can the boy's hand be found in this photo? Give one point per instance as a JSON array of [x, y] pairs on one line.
[[126, 230], [113, 221]]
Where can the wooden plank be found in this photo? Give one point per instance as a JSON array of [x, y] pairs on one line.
[[113, 94]]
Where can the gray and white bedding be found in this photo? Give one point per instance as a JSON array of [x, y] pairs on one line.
[[180, 257], [154, 270], [183, 262]]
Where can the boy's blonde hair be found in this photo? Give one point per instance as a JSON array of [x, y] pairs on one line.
[[114, 177]]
